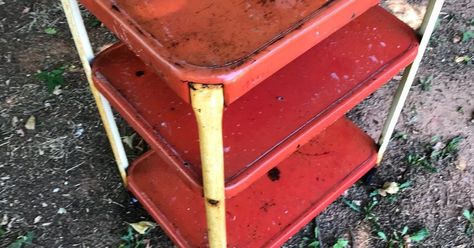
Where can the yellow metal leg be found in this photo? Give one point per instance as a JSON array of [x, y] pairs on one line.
[[208, 106]]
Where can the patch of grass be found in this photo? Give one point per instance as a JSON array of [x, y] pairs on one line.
[[22, 240], [52, 78], [341, 243], [421, 161], [450, 150], [400, 135], [50, 30], [402, 238], [132, 239], [435, 152], [467, 36], [367, 210], [469, 215], [316, 243], [425, 84], [93, 22]]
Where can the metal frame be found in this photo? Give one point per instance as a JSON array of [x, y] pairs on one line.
[[86, 54], [426, 30], [208, 102], [208, 106]]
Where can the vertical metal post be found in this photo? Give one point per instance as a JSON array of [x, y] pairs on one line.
[[86, 54], [426, 30], [208, 106]]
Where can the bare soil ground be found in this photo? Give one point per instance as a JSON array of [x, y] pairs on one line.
[[59, 181]]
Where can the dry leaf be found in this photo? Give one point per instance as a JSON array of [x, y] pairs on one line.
[[14, 121], [462, 164], [128, 140], [456, 39], [37, 219], [143, 226], [20, 132], [4, 220], [26, 10], [57, 90], [389, 188], [460, 59], [31, 123]]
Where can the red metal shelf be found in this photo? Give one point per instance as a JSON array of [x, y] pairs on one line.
[[235, 43], [270, 122], [271, 210]]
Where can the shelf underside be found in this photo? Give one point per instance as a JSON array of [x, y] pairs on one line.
[[279, 115], [275, 207]]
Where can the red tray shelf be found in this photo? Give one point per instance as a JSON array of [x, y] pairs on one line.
[[275, 207], [279, 115], [235, 43]]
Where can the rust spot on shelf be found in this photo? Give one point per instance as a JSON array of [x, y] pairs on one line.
[[115, 8], [274, 174], [139, 73], [266, 206]]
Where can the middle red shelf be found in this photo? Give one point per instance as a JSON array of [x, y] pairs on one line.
[[269, 123]]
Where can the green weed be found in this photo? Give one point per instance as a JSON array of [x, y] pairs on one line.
[[132, 239], [51, 30], [52, 78], [402, 238], [422, 161], [93, 22], [434, 153], [467, 36], [341, 243], [400, 136], [425, 83], [469, 215], [22, 240], [367, 210], [316, 243]]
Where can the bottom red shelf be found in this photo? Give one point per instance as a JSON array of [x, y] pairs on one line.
[[271, 210]]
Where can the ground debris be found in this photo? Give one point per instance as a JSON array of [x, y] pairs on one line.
[[31, 123]]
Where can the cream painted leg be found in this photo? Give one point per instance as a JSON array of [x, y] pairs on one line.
[[426, 30], [208, 105], [76, 25]]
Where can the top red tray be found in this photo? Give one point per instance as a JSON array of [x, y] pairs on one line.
[[235, 43]]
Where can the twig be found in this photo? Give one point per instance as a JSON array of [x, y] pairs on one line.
[[74, 167]]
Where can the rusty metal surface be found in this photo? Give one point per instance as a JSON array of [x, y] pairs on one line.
[[213, 33]]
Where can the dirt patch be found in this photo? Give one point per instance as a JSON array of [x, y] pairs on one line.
[[59, 180]]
